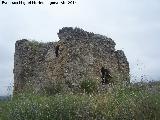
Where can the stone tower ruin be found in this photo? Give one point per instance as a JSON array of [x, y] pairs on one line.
[[78, 55]]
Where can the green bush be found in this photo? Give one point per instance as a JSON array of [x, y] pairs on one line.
[[89, 86]]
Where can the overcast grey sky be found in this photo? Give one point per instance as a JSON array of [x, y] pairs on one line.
[[133, 24]]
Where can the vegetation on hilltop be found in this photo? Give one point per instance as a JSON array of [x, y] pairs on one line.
[[136, 101]]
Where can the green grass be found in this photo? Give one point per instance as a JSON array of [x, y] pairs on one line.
[[122, 103]]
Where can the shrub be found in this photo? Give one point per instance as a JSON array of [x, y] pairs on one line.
[[89, 86]]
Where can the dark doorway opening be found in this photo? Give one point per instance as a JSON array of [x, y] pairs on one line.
[[105, 75], [57, 50]]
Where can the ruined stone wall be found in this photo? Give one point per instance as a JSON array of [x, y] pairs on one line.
[[81, 56]]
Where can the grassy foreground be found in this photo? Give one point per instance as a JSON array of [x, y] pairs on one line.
[[136, 102]]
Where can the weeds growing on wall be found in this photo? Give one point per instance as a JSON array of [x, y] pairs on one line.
[[89, 86], [34, 46], [53, 88]]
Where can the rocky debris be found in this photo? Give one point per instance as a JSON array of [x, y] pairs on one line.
[[81, 55]]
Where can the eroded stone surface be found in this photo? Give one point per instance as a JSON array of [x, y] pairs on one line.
[[81, 56]]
